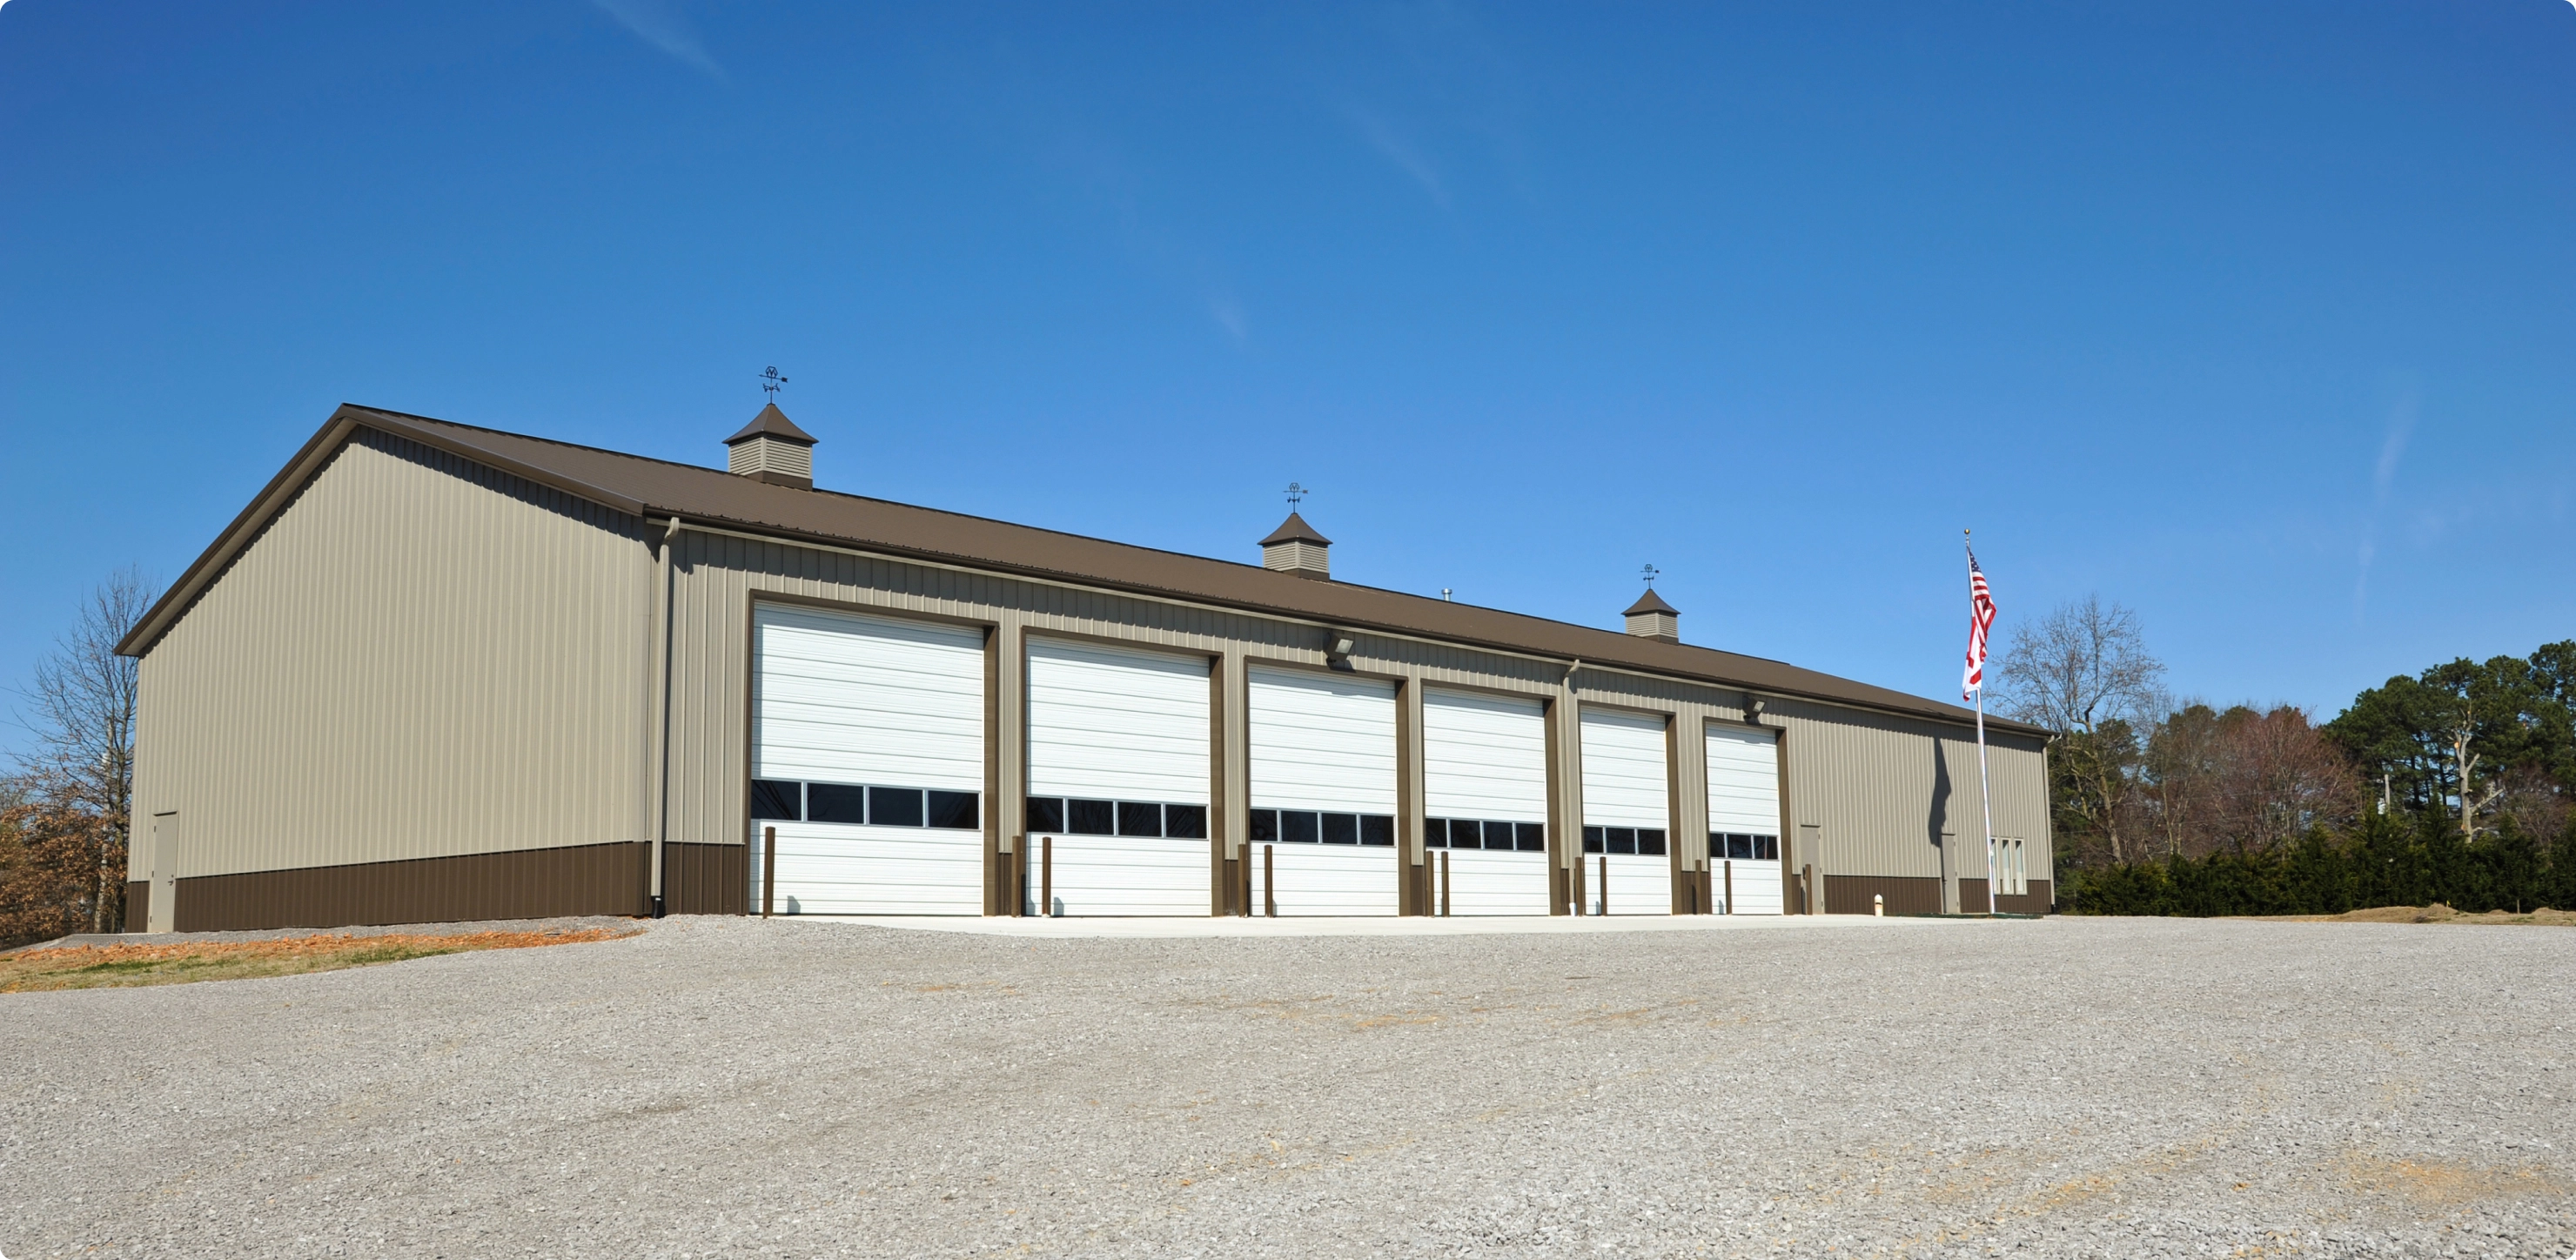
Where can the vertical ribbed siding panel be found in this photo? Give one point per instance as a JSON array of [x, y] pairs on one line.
[[1883, 789], [417, 658]]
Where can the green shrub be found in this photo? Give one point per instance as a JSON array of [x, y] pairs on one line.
[[2386, 861]]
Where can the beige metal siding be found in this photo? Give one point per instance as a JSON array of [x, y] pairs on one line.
[[419, 657], [1882, 789]]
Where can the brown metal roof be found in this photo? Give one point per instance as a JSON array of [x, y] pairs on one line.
[[1295, 529], [656, 488], [1650, 602], [771, 422]]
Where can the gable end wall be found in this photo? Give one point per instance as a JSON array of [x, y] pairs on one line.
[[419, 657]]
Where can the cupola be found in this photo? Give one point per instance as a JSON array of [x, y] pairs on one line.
[[1296, 548], [1651, 618], [771, 448]]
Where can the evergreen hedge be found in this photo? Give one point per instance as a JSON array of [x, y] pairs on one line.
[[2387, 861]]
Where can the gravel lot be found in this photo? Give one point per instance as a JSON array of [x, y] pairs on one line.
[[728, 1087]]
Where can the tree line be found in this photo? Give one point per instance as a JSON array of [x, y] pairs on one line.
[[2451, 785], [67, 806]]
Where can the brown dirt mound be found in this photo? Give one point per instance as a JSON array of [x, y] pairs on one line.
[[180, 962], [2434, 913]]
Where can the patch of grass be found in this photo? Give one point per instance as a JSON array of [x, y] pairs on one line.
[[184, 962]]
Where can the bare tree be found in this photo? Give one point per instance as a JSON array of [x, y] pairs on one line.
[[2277, 777], [2084, 671], [83, 700]]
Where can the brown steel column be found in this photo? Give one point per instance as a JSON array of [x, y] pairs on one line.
[[1046, 876], [1730, 887], [1269, 884]]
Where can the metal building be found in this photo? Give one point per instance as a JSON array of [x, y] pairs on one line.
[[438, 672]]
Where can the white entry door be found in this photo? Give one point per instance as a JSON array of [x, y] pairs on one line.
[[1744, 820], [1119, 773], [867, 758], [1627, 814], [1323, 794], [1484, 777]]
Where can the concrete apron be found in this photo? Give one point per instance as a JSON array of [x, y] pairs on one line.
[[1410, 925]]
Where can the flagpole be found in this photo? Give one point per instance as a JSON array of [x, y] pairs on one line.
[[1987, 800], [1985, 797]]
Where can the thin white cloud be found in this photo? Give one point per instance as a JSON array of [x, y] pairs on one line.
[[2392, 449], [1392, 145], [2401, 425], [662, 24], [1229, 316]]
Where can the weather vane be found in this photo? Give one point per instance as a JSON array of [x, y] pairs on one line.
[[1296, 495], [1650, 573], [770, 380]]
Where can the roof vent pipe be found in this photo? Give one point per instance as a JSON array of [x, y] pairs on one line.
[[1651, 618], [771, 448], [1296, 548]]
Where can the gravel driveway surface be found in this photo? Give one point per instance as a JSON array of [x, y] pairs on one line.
[[2116, 1088]]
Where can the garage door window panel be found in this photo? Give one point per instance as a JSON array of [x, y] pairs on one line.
[[954, 811], [836, 803], [894, 807], [1091, 818], [1045, 813], [774, 799]]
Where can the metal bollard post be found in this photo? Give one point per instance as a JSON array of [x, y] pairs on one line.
[[768, 870]]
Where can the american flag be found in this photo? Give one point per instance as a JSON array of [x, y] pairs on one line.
[[1981, 618]]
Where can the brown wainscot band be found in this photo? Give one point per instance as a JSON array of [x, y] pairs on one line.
[[525, 884], [1906, 894], [706, 878]]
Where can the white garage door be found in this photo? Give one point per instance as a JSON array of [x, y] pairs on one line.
[[1323, 793], [1626, 814], [1744, 820], [867, 738], [1118, 781], [1484, 787]]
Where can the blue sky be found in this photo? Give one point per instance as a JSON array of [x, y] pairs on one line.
[[2260, 319]]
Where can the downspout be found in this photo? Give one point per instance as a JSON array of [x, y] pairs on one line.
[[662, 713]]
